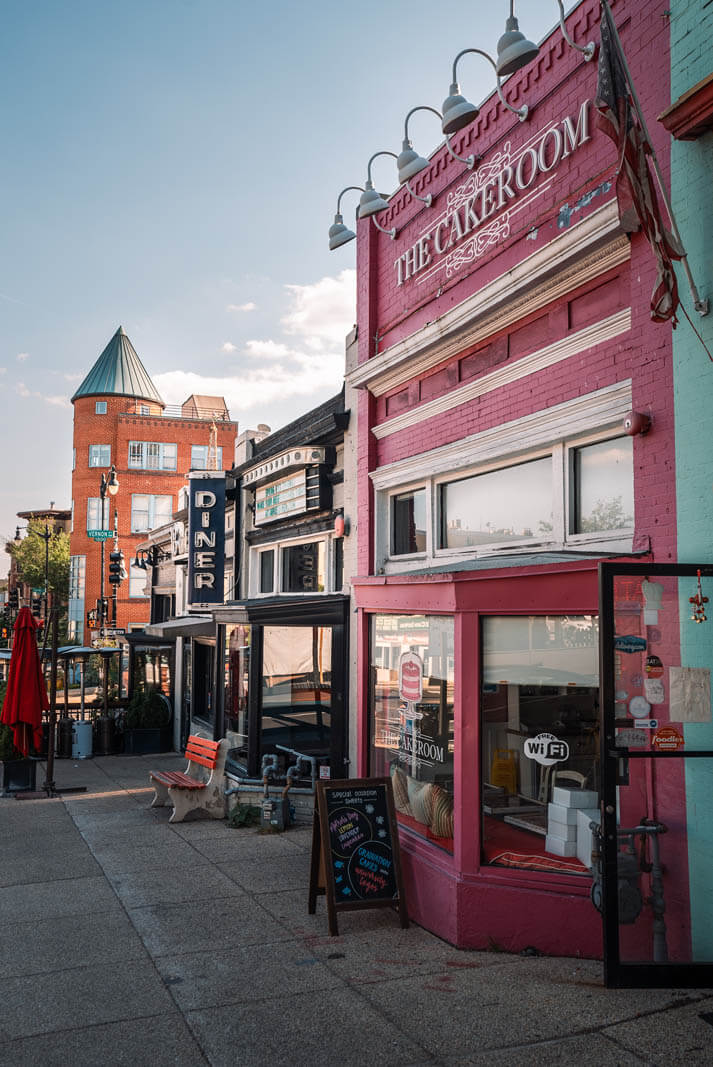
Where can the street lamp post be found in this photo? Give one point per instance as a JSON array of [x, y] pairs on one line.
[[107, 485]]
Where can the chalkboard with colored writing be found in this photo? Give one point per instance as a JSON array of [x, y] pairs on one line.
[[355, 848]]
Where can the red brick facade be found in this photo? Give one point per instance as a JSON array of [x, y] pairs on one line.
[[120, 425]]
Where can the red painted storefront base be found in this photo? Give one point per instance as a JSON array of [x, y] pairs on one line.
[[459, 896]]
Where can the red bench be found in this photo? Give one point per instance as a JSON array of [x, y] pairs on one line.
[[194, 789]]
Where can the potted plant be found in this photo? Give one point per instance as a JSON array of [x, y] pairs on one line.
[[147, 723]]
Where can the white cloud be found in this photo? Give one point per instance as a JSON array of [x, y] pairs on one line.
[[249, 306], [228, 347], [30, 394], [323, 313], [266, 350], [3, 370], [22, 356]]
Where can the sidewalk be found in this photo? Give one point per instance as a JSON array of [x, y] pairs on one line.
[[124, 940]]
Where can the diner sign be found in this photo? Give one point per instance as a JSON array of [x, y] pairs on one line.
[[479, 213], [206, 538], [355, 849]]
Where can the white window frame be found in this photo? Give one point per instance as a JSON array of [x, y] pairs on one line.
[[98, 454], [206, 448], [556, 432], [278, 548], [160, 449], [137, 574], [94, 504], [100, 407], [150, 511]]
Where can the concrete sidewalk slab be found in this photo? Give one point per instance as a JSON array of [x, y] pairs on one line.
[[167, 929]]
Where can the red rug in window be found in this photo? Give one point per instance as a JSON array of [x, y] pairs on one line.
[[507, 846]]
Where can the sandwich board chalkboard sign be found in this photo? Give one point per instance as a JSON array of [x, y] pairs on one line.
[[355, 849]]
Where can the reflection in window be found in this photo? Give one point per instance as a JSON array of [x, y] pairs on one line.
[[267, 571], [152, 668], [408, 522], [540, 730], [297, 688], [512, 504], [604, 486], [237, 676], [412, 741], [303, 568]]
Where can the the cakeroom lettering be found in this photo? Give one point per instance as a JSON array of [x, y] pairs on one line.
[[556, 143]]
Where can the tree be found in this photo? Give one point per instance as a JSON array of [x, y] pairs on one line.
[[606, 515], [30, 556]]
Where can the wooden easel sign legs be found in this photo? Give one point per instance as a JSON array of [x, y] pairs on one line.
[[355, 849]]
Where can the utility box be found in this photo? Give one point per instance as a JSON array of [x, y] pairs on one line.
[[275, 813]]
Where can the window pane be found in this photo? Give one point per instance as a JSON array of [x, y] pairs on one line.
[[139, 513], [412, 739], [508, 505], [99, 455], [408, 522], [296, 688], [163, 510], [540, 716], [100, 407], [303, 568], [199, 455], [94, 514], [153, 455], [267, 571], [170, 453], [237, 677], [136, 453], [604, 486], [137, 582]]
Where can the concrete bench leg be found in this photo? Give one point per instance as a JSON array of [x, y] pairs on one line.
[[210, 800], [160, 797]]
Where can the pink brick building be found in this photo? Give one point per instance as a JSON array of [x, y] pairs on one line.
[[504, 340]]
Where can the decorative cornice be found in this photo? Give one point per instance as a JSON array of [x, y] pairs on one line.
[[595, 244], [593, 411], [568, 346], [692, 114]]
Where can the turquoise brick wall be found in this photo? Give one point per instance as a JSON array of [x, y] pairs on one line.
[[691, 25]]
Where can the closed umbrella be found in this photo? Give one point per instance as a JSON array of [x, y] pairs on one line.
[[26, 696]]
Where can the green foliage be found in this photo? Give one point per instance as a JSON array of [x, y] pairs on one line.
[[147, 710], [244, 815], [606, 515], [30, 556]]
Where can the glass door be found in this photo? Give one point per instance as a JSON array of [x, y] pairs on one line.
[[654, 866]]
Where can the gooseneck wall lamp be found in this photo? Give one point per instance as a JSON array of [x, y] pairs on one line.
[[409, 162], [514, 50], [587, 50], [371, 202], [459, 112], [339, 234]]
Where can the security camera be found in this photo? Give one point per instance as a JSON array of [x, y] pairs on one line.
[[636, 423]]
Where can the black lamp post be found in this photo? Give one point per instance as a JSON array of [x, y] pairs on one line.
[[108, 485]]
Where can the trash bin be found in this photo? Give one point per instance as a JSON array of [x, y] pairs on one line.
[[81, 740], [104, 735], [63, 745]]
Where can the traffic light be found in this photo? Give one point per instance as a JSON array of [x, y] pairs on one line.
[[36, 605], [13, 599], [117, 571]]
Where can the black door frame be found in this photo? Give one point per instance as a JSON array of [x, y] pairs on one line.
[[616, 973]]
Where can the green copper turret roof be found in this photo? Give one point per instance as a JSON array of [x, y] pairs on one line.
[[120, 372]]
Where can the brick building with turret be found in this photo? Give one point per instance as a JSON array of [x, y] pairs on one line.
[[121, 422]]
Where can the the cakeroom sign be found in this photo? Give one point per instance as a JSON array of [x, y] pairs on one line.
[[479, 213]]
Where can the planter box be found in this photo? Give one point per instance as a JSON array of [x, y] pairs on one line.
[[17, 775], [141, 742]]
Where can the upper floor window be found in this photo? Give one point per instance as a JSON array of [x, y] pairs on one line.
[[137, 581], [152, 455], [408, 522], [149, 511], [603, 482], [100, 407], [94, 514], [74, 459], [201, 456], [304, 568], [99, 455], [502, 506], [144, 409]]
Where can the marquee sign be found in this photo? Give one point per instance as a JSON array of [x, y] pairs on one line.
[[480, 212], [206, 538]]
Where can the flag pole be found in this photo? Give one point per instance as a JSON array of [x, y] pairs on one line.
[[701, 306]]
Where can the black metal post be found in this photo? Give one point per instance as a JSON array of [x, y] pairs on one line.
[[49, 785]]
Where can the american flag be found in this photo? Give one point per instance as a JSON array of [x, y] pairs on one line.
[[636, 196]]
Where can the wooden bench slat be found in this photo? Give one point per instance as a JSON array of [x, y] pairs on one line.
[[201, 743], [177, 778]]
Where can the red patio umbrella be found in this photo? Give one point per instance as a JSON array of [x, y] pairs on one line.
[[26, 695]]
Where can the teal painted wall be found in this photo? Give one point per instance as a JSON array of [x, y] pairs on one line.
[[691, 26]]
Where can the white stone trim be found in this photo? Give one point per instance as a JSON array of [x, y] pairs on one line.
[[568, 346], [592, 412], [581, 253]]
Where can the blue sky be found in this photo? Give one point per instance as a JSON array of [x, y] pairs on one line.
[[173, 167]]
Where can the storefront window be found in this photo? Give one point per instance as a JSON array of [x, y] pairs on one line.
[[408, 522], [604, 486], [303, 568], [297, 688], [512, 504], [237, 676], [153, 667], [540, 741], [411, 719], [267, 571]]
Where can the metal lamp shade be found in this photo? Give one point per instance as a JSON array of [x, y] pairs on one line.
[[371, 202], [339, 234], [409, 163], [514, 50], [457, 112]]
